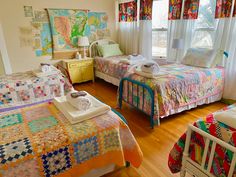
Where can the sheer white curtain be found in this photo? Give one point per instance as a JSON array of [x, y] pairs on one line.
[[230, 75], [128, 37], [225, 40], [179, 29], [127, 33], [145, 38]]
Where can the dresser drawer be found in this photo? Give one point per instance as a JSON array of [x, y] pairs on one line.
[[79, 64]]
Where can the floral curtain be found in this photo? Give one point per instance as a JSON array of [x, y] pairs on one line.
[[223, 8], [146, 9], [175, 7], [191, 9], [128, 11], [234, 12]]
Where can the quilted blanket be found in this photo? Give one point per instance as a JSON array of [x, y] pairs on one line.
[[25, 88], [39, 141], [111, 66], [183, 87], [222, 157]]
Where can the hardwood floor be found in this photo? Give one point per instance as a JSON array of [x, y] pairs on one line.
[[155, 144]]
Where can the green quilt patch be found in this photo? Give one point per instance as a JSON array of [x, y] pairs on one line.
[[42, 124], [10, 120]]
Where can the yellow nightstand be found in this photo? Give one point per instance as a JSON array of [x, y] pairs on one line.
[[79, 70]]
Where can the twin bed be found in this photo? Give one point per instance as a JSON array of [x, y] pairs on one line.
[[36, 139], [182, 87]]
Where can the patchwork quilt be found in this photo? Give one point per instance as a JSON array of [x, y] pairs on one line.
[[222, 157], [25, 88], [177, 90], [111, 66], [39, 141]]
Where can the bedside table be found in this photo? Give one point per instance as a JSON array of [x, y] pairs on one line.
[[79, 70]]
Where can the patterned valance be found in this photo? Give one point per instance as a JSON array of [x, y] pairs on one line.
[[191, 9], [128, 11], [146, 9], [234, 13], [223, 8], [175, 7]]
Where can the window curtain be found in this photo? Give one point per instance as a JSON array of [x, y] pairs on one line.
[[226, 30], [128, 26], [180, 26], [145, 29]]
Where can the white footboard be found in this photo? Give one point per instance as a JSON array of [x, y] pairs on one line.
[[195, 169]]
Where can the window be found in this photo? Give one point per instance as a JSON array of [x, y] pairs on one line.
[[159, 28], [205, 26]]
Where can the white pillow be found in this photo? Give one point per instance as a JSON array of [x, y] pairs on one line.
[[227, 117], [200, 57]]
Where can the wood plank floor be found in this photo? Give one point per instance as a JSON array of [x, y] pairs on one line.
[[155, 144]]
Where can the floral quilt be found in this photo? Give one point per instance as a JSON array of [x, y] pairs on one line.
[[222, 157], [112, 66], [25, 88], [39, 141], [175, 91]]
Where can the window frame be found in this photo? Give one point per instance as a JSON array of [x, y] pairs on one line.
[[162, 30]]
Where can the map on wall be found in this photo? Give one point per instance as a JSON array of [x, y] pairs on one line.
[[42, 41], [66, 26], [56, 31], [97, 26]]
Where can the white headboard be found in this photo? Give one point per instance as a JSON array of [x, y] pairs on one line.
[[93, 46]]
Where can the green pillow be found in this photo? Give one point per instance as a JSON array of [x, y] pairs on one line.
[[109, 50]]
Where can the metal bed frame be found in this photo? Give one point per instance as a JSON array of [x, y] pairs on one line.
[[144, 87]]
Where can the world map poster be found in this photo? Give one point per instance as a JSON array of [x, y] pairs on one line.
[[66, 26]]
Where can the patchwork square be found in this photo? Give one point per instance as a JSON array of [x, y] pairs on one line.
[[23, 95], [9, 120], [5, 98], [86, 149], [110, 140], [82, 129], [106, 121], [50, 138], [26, 168], [37, 113], [39, 92], [15, 150], [42, 123], [55, 90], [12, 133], [56, 162]]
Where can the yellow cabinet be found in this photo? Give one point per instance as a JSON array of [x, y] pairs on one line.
[[79, 70]]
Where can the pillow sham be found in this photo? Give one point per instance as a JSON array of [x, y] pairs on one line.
[[200, 57], [109, 50], [227, 117]]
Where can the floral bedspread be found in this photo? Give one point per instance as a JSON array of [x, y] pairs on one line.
[[25, 88], [222, 157], [39, 141], [180, 87], [111, 66]]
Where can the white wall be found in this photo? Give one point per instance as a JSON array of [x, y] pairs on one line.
[[12, 17]]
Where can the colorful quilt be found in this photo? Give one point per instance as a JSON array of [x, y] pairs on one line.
[[25, 88], [39, 141], [222, 157], [183, 87], [111, 66]]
